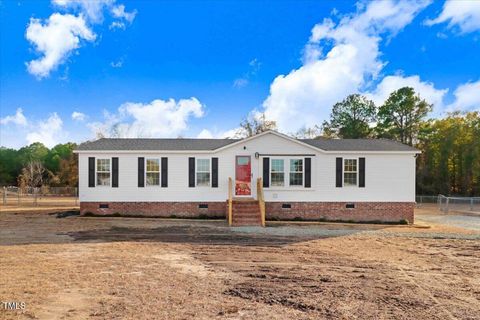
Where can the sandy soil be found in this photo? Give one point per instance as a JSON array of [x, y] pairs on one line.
[[120, 268]]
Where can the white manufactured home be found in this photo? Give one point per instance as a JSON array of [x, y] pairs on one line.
[[267, 176]]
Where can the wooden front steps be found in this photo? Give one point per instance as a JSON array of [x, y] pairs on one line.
[[246, 212]]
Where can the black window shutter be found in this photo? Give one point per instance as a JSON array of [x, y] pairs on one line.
[[164, 172], [115, 172], [191, 172], [308, 172], [339, 171], [214, 172], [91, 172], [361, 179], [141, 172], [266, 172]]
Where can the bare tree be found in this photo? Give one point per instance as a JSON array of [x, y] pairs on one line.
[[33, 175], [255, 124], [308, 133]]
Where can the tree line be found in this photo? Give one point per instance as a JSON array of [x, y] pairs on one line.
[[450, 160], [36, 165], [449, 163]]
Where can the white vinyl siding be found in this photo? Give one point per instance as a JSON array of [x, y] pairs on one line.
[[384, 184]]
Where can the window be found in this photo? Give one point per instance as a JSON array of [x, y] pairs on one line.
[[277, 173], [153, 172], [350, 172], [203, 172], [296, 172], [103, 172]]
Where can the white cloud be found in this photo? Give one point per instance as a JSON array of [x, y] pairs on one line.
[[59, 35], [467, 97], [426, 90], [304, 97], [219, 134], [78, 116], [117, 64], [205, 134], [464, 15], [18, 119], [94, 9], [253, 67], [55, 40], [240, 83], [47, 131], [119, 12], [159, 118], [117, 25]]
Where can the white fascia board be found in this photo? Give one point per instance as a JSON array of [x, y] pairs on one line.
[[278, 134]]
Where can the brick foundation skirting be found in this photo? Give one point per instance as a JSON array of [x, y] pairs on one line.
[[363, 211], [156, 209]]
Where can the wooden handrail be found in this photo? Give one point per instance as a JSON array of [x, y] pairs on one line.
[[261, 200], [230, 196]]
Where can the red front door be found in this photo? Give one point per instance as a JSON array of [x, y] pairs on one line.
[[243, 176]]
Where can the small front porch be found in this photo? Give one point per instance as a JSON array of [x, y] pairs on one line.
[[246, 210]]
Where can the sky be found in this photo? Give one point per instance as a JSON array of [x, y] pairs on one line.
[[73, 69]]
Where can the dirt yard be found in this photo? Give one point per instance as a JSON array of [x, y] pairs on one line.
[[123, 268]]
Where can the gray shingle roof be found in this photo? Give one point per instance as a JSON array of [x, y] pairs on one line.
[[358, 145], [125, 144], [155, 144]]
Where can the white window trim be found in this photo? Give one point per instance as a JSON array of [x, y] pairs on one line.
[[210, 173], [286, 176], [159, 173], [303, 173], [110, 173], [343, 174], [284, 173]]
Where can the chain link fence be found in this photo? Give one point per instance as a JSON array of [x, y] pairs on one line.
[[39, 197], [445, 204], [458, 204], [422, 200]]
